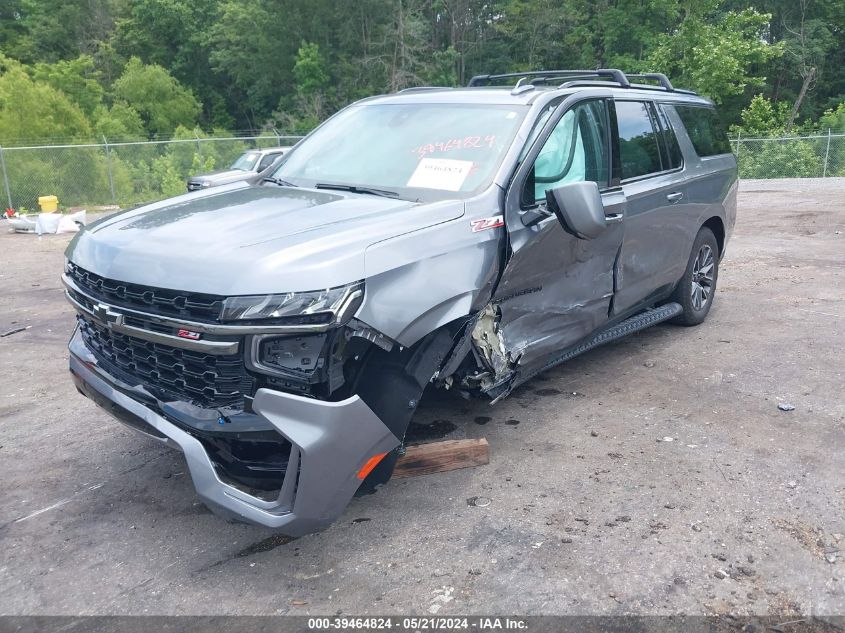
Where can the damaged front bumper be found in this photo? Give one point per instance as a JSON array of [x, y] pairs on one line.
[[330, 444]]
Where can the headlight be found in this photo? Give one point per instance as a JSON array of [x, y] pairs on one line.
[[333, 304], [205, 183]]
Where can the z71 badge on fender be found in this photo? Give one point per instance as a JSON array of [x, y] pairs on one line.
[[487, 223]]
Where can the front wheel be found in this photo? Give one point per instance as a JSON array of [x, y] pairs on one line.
[[697, 288]]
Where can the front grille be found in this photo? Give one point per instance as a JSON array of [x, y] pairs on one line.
[[169, 373], [193, 186], [161, 301]]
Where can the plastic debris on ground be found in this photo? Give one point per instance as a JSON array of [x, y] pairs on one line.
[[48, 223]]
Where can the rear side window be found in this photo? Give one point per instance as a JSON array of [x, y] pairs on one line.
[[705, 129], [638, 146], [673, 157], [265, 162]]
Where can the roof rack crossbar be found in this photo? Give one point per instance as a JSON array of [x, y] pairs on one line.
[[547, 75], [424, 88], [660, 78], [588, 82]]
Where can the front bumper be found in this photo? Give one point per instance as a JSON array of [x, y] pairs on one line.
[[331, 442]]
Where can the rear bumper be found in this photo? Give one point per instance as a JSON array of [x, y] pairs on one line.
[[331, 442]]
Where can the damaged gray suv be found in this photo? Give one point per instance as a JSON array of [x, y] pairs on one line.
[[281, 334]]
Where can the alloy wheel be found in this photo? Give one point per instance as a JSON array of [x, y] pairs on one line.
[[702, 277]]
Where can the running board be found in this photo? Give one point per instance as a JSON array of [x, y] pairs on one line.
[[636, 323]]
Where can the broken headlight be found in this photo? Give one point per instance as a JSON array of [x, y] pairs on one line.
[[334, 304]]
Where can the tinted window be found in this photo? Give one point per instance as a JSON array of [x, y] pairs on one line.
[[638, 148], [673, 157], [705, 130], [575, 151], [265, 162]]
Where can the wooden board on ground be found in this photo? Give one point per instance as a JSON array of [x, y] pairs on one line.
[[438, 457]]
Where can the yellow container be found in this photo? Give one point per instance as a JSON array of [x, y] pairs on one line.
[[48, 204]]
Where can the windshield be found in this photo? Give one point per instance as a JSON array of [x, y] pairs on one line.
[[246, 161], [419, 151]]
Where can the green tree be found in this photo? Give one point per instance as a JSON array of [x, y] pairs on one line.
[[173, 34], [309, 70], [443, 69], [242, 59], [763, 118], [160, 100], [34, 110], [46, 31], [833, 119], [254, 46], [76, 78], [716, 53], [119, 123]]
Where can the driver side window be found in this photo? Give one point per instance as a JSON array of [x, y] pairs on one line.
[[576, 151]]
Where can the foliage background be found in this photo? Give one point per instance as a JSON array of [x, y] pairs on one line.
[[87, 70]]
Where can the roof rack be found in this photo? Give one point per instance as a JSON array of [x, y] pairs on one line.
[[546, 76], [424, 88], [599, 77]]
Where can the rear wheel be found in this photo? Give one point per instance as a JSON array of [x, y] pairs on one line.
[[697, 288]]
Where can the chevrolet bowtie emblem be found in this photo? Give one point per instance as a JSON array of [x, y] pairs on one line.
[[105, 314]]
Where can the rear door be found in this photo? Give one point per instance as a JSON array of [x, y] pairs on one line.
[[556, 289], [657, 212], [711, 170]]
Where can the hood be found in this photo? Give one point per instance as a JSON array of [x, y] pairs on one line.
[[241, 239], [219, 177]]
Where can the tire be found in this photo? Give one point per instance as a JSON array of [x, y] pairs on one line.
[[697, 288]]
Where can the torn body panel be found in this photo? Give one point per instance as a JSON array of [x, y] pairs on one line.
[[426, 279], [553, 294]]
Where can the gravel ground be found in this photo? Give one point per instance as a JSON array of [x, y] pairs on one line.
[[592, 509]]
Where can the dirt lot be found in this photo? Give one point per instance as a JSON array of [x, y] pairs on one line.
[[590, 511]]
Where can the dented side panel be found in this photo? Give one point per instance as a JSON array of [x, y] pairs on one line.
[[423, 280], [555, 291]]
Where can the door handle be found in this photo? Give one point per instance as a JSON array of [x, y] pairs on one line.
[[613, 218], [675, 196]]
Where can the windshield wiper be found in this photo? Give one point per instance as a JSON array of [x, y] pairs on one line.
[[355, 189], [278, 181]]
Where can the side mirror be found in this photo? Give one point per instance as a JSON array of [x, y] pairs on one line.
[[578, 208]]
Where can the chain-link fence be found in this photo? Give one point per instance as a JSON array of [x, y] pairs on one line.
[[120, 174], [125, 174], [814, 156]]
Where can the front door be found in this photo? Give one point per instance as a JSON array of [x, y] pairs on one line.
[[556, 289]]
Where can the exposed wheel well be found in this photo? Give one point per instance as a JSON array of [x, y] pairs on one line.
[[716, 225]]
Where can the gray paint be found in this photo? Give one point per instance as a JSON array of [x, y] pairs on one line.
[[330, 456], [242, 240], [578, 277], [535, 290], [581, 209]]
